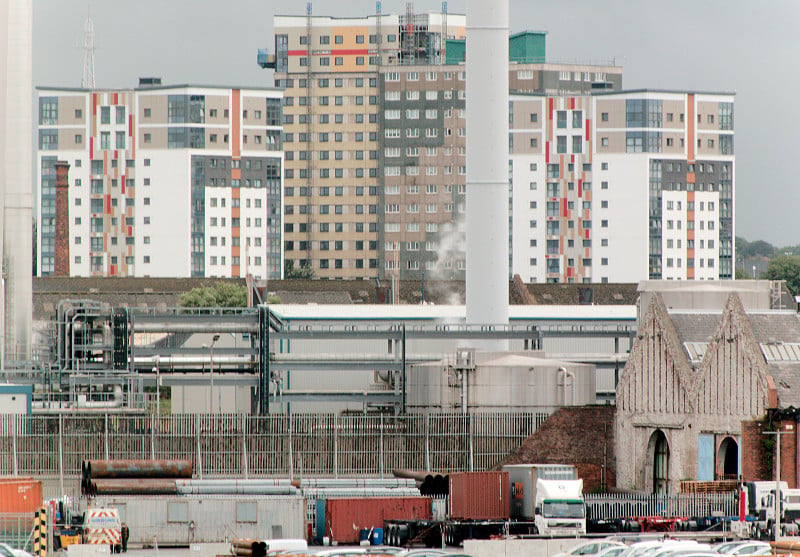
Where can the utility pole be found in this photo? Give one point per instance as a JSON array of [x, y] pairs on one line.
[[778, 499]]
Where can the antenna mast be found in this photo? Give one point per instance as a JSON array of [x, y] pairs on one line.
[[87, 81]]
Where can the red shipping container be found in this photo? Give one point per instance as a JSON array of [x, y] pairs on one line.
[[479, 496], [344, 518], [20, 495]]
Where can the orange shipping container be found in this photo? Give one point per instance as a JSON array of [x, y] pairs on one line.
[[344, 518], [20, 495], [479, 495]]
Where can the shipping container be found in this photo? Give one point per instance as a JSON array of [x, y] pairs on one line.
[[183, 520], [20, 495], [345, 518], [479, 496]]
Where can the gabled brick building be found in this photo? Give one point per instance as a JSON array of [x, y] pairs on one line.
[[697, 392]]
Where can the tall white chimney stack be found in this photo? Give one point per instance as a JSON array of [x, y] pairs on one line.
[[16, 184], [487, 165]]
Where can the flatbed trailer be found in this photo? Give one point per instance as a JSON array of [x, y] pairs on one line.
[[452, 532]]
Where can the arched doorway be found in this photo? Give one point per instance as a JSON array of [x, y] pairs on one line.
[[728, 459], [658, 451]]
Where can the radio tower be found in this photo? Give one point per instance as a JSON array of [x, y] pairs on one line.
[[87, 82]]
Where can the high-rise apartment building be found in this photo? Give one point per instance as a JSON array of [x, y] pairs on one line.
[[375, 169], [622, 186], [164, 181]]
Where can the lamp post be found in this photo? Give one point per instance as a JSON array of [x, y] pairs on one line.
[[158, 385], [210, 347]]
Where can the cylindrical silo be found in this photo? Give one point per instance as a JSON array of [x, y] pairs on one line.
[[487, 165]]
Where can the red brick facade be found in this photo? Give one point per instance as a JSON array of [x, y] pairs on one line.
[[583, 436], [758, 452], [62, 220]]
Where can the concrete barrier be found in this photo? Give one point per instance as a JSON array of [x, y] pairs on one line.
[[519, 548], [88, 550], [209, 549]]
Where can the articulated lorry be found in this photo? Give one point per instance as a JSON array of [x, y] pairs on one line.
[[549, 495], [760, 506]]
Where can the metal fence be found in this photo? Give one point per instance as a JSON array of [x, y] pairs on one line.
[[614, 505], [16, 530], [257, 446]]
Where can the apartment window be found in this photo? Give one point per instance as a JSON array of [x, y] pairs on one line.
[[604, 142], [561, 119], [105, 114], [604, 117]]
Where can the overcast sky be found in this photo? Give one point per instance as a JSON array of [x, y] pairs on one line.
[[750, 48]]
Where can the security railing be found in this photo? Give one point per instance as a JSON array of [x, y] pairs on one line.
[[232, 445]]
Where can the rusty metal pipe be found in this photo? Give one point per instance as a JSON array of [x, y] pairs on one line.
[[137, 486], [417, 475], [137, 469]]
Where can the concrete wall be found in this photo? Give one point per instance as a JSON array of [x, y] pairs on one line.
[[519, 548]]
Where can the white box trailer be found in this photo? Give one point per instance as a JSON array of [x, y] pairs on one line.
[[174, 520]]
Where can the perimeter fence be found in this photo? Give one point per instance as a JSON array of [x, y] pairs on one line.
[[235, 445]]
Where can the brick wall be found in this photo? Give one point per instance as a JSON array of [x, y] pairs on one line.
[[789, 452], [755, 466], [62, 220], [583, 436], [758, 452]]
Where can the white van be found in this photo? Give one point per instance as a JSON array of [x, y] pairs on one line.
[[102, 526]]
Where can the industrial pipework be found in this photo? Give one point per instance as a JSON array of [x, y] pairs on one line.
[[487, 166]]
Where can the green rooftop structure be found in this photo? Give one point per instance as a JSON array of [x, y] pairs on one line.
[[526, 47]]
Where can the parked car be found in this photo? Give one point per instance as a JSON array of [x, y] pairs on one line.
[[8, 551], [590, 548]]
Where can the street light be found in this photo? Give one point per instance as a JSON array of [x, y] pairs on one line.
[[778, 499], [210, 347], [158, 385]]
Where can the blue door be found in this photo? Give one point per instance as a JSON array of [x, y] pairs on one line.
[[705, 457]]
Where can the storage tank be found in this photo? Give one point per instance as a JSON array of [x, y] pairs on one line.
[[474, 381]]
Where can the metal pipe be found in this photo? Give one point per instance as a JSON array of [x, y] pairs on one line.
[[487, 167], [173, 362], [360, 492], [207, 326], [355, 482], [137, 486], [240, 487], [137, 468]]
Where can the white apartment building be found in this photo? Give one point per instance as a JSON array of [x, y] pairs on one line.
[[164, 181], [622, 186]]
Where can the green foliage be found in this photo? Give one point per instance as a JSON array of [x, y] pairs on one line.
[[742, 274], [221, 295], [273, 299], [745, 249], [302, 272], [785, 267]]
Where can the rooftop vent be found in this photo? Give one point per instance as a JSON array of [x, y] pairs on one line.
[[149, 81]]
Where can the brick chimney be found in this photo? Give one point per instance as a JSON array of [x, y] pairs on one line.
[[62, 220]]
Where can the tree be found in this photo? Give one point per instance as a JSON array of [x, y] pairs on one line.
[[745, 249], [303, 272], [785, 267], [221, 295]]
